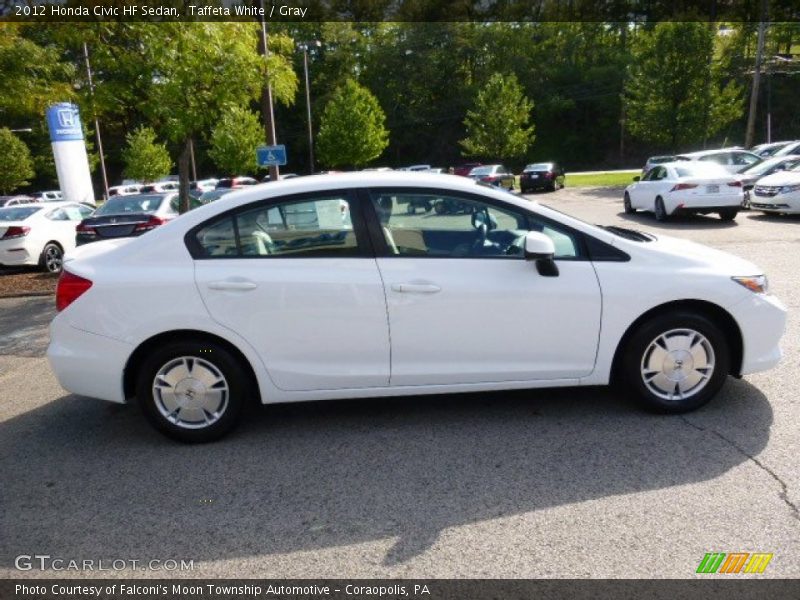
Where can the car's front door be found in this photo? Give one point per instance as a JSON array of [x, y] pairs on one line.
[[295, 279], [464, 305]]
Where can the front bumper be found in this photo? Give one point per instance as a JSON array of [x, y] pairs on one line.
[[762, 321], [780, 203], [85, 363]]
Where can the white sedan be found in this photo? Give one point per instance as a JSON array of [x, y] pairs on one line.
[[778, 193], [273, 294], [685, 187], [39, 234]]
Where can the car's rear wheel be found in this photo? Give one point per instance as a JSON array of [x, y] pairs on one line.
[[626, 202], [192, 391], [676, 362], [660, 211], [728, 214], [52, 258]]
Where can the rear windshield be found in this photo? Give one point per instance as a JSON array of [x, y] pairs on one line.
[[701, 170], [538, 167], [119, 205], [18, 213], [482, 171], [660, 160]]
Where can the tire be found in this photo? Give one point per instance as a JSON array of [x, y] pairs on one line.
[[523, 190], [660, 211], [656, 355], [52, 258], [728, 214], [626, 203], [199, 371], [553, 186]]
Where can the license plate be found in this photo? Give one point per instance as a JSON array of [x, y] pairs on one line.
[[535, 176], [712, 189]]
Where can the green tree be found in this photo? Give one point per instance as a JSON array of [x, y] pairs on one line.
[[200, 69], [675, 95], [16, 165], [145, 159], [352, 129], [234, 141], [498, 125]]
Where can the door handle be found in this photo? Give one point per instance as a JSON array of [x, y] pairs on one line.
[[416, 288], [232, 285]]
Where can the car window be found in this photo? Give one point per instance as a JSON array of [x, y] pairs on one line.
[[442, 226], [73, 213], [319, 227], [723, 158], [741, 158], [58, 215]]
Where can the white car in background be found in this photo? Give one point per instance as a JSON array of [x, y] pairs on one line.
[[39, 234], [126, 189], [732, 160], [272, 294], [685, 187], [778, 193], [48, 196], [790, 148]]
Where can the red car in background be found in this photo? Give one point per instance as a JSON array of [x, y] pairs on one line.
[[464, 169]]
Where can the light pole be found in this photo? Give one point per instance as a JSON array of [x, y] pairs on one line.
[[304, 47], [266, 96], [96, 122]]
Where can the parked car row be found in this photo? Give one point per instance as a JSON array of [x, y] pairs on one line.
[[716, 181]]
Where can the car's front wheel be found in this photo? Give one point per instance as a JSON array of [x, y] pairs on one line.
[[676, 362], [192, 391]]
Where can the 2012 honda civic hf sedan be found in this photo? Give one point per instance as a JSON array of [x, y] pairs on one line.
[[328, 287]]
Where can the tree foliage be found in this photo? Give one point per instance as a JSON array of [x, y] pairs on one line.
[[498, 127], [234, 141], [16, 165], [146, 159], [674, 96], [352, 129]]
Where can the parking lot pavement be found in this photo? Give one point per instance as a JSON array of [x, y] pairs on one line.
[[564, 483]]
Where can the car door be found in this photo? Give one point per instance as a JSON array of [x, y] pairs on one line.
[[642, 193], [62, 222], [465, 307], [296, 278]]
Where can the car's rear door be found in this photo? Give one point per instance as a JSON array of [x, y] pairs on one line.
[[297, 279], [464, 305]]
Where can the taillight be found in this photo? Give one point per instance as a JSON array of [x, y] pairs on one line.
[[151, 223], [487, 178], [16, 232], [85, 229], [735, 184], [548, 175], [683, 186], [70, 287]]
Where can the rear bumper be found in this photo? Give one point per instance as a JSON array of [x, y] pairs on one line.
[[17, 257], [85, 363], [704, 203]]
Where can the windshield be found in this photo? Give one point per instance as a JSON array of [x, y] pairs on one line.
[[213, 195], [18, 213], [120, 205], [538, 167]]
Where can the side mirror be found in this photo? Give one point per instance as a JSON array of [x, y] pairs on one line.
[[540, 248], [637, 178]]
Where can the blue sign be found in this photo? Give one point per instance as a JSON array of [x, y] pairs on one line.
[[267, 156], [64, 122]]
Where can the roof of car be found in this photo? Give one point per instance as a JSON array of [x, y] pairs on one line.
[[710, 152]]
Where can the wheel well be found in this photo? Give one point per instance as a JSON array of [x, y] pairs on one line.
[[717, 314], [141, 352]]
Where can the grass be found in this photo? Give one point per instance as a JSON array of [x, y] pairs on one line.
[[600, 180]]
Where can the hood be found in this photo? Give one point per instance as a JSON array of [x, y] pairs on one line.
[[681, 250], [781, 178]]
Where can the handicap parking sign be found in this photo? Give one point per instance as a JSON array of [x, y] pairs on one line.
[[267, 156]]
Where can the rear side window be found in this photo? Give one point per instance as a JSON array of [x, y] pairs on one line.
[[307, 228]]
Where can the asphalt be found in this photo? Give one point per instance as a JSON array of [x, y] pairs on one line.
[[565, 483]]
